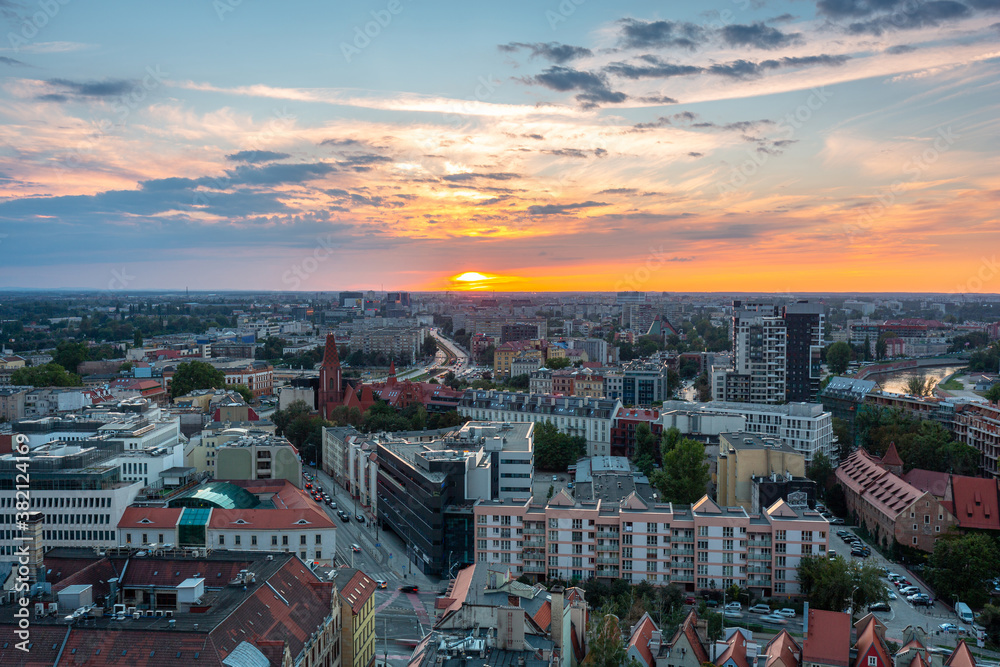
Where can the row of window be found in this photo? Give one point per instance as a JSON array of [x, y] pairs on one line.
[[61, 501]]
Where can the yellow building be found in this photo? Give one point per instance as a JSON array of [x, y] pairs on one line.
[[743, 456], [588, 385], [357, 612], [504, 354], [11, 362]]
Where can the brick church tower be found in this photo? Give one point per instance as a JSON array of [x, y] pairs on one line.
[[331, 392]]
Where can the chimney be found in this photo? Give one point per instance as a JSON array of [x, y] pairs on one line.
[[556, 627], [654, 642], [805, 619], [36, 550]]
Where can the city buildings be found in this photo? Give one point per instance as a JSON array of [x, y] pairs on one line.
[[357, 614], [743, 456], [586, 417], [258, 456], [698, 547], [177, 608], [626, 421]]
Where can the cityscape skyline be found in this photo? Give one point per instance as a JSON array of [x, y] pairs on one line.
[[779, 146]]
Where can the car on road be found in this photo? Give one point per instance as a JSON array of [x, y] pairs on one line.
[[360, 518], [689, 600], [891, 595], [951, 627], [843, 533], [736, 606], [332, 504], [309, 485], [787, 612], [381, 583], [860, 554], [409, 589], [555, 478], [355, 548], [837, 521], [732, 613], [759, 609], [832, 553], [777, 619], [711, 604], [345, 517], [879, 606], [909, 590]]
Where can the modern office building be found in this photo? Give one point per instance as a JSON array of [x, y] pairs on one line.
[[699, 547], [258, 456], [804, 325]]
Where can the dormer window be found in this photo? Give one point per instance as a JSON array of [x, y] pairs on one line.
[[145, 521]]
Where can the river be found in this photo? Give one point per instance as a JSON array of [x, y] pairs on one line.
[[895, 381]]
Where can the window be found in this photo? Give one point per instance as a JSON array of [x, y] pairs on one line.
[[236, 540], [927, 519], [274, 540], [222, 540], [914, 538], [319, 539], [872, 661], [914, 526], [284, 540], [253, 540], [702, 531]]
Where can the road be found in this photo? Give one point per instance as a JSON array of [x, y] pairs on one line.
[[402, 617]]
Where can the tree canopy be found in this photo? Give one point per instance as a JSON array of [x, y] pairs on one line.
[[555, 450], [245, 392], [961, 566], [838, 356], [193, 375], [49, 375], [921, 443], [830, 583], [684, 477], [558, 363]]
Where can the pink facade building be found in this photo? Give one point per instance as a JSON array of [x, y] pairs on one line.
[[697, 547]]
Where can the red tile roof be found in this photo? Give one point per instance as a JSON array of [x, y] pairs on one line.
[[135, 648], [543, 617], [357, 591], [150, 518], [931, 481], [689, 631], [782, 651], [45, 642], [870, 644], [829, 639], [735, 651], [891, 457], [961, 656], [975, 502], [641, 634], [269, 519], [886, 492]]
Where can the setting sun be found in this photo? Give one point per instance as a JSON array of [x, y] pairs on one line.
[[471, 276]]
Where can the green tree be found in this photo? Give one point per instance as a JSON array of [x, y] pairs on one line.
[[49, 375], [607, 649], [429, 347], [245, 392], [684, 476], [670, 439], [646, 444], [555, 450], [70, 355], [838, 356], [558, 363], [125, 367], [196, 375], [519, 381], [836, 584], [273, 348], [993, 393], [137, 338], [282, 418], [961, 566], [989, 619], [844, 434], [305, 431], [918, 386], [447, 419], [382, 417], [820, 470]]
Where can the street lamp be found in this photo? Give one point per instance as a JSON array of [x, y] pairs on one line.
[[853, 590]]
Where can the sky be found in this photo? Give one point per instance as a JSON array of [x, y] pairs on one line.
[[542, 145]]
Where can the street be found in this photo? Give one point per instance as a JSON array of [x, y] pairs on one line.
[[402, 617]]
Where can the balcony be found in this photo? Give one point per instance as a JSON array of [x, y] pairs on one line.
[[682, 578], [682, 551], [607, 547], [606, 534], [766, 542], [607, 572], [759, 583], [761, 557], [535, 544], [607, 560], [531, 567], [534, 531], [757, 569]]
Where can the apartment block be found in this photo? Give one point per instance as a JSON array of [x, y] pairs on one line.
[[699, 547], [743, 456]]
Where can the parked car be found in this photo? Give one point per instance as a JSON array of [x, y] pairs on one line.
[[734, 605], [759, 609], [837, 521], [777, 619], [891, 595], [909, 590], [951, 627], [355, 548], [410, 589], [733, 613], [345, 517], [832, 553], [787, 612], [711, 604], [689, 600], [879, 606]]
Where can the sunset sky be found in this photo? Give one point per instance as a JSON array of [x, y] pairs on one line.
[[744, 145]]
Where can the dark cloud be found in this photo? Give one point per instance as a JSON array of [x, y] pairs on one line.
[[619, 191], [855, 8], [560, 209], [781, 18], [657, 99], [912, 17], [533, 136], [256, 156], [363, 161], [680, 259], [745, 69], [341, 142], [689, 118], [900, 48], [695, 154], [471, 176], [593, 86], [758, 36], [4, 60], [576, 152], [278, 174], [551, 51], [644, 34], [651, 67], [106, 88], [988, 5]]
